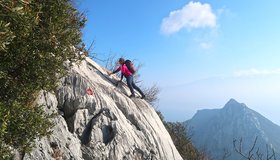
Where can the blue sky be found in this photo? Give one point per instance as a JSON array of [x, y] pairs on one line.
[[200, 53]]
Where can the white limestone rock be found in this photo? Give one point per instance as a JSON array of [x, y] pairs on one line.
[[107, 125]]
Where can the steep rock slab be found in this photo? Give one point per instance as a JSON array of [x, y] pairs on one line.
[[105, 125]]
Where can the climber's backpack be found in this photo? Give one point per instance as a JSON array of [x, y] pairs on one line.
[[130, 67]]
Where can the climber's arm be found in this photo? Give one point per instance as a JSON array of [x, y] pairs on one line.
[[117, 70]]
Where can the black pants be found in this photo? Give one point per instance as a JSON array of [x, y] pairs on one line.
[[132, 85]]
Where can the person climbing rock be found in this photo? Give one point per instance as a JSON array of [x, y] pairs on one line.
[[127, 72]]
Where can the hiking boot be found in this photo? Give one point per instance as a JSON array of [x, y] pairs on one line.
[[132, 96]]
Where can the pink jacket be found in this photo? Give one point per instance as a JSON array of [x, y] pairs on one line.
[[125, 71]]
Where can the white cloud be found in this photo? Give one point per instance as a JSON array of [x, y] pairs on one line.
[[256, 72], [192, 15]]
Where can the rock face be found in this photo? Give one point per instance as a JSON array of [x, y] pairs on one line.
[[107, 125], [214, 130]]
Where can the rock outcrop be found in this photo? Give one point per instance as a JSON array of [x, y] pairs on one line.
[[106, 125]]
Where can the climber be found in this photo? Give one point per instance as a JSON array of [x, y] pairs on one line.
[[128, 73]]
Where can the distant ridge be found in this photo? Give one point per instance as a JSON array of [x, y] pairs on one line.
[[214, 130]]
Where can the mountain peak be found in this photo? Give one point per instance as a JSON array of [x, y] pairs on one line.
[[231, 102], [215, 130], [234, 106]]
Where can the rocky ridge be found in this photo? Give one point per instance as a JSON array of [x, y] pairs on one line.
[[107, 125]]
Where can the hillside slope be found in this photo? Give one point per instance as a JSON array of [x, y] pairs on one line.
[[106, 125]]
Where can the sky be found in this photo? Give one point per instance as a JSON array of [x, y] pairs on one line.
[[200, 53]]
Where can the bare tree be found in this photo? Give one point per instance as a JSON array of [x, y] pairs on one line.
[[89, 52], [254, 153], [152, 94], [111, 62], [226, 154]]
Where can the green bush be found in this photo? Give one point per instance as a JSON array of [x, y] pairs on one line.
[[36, 38], [181, 140]]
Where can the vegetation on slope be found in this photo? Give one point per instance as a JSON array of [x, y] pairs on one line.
[[36, 38]]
